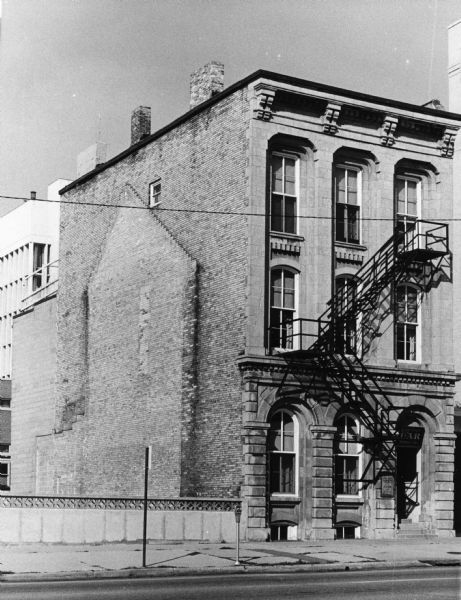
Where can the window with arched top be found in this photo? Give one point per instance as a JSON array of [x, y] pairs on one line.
[[283, 449], [347, 449], [407, 204], [407, 325], [283, 308], [284, 192], [348, 200]]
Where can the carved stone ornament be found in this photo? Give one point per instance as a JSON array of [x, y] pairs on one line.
[[447, 143], [330, 118], [265, 100], [388, 130]]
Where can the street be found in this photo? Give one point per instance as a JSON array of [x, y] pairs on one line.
[[410, 584]]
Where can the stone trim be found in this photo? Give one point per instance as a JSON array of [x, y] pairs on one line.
[[197, 504], [388, 129], [261, 366], [264, 99], [447, 143], [330, 118], [285, 247]]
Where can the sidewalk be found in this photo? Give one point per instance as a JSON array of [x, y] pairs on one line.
[[42, 561]]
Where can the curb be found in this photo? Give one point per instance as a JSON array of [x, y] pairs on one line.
[[152, 572]]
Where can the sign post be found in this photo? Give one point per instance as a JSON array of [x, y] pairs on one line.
[[147, 465], [237, 514]]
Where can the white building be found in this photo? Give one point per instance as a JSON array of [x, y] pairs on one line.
[[29, 246]]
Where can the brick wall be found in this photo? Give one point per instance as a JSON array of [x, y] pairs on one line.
[[34, 371], [151, 317]]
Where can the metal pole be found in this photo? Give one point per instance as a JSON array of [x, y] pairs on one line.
[[146, 484], [237, 514]]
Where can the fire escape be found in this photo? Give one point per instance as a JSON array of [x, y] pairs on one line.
[[335, 343]]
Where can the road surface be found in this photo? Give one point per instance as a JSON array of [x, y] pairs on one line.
[[430, 583]]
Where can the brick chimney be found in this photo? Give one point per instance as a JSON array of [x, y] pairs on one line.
[[140, 123], [206, 82]]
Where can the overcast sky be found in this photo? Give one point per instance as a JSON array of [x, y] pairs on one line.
[[71, 71]]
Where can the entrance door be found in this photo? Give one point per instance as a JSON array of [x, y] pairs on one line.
[[409, 473]]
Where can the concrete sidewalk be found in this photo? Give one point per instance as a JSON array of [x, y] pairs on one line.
[[42, 561]]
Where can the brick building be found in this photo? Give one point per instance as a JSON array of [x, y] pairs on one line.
[[262, 291]]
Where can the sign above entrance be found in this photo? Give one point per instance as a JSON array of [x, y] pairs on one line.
[[410, 436]]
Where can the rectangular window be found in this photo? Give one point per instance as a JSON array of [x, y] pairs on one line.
[[4, 473], [40, 268], [408, 199], [283, 193], [346, 475], [406, 328], [155, 190], [282, 309], [347, 204]]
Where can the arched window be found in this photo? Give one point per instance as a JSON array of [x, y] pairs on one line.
[[347, 456], [407, 204], [283, 308], [282, 447], [284, 192], [348, 198], [346, 319], [406, 322]]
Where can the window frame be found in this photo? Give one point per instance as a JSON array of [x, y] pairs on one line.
[[348, 280], [283, 230], [283, 346], [5, 459], [341, 438], [403, 220], [294, 453], [357, 168], [416, 324], [154, 196]]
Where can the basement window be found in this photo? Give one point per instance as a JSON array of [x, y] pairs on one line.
[[155, 190]]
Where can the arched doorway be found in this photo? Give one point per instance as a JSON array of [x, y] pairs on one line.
[[409, 467]]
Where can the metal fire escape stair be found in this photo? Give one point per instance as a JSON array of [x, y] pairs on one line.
[[344, 373]]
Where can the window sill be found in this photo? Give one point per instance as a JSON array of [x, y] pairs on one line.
[[350, 246], [292, 498], [289, 236], [346, 499], [408, 363]]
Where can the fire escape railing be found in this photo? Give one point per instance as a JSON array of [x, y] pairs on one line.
[[345, 374]]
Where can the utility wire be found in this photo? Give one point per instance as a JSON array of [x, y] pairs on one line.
[[197, 210]]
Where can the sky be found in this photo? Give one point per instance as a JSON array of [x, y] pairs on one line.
[[71, 71]]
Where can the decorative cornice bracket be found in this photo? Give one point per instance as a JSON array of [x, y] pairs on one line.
[[264, 99], [388, 129], [330, 118], [447, 143]]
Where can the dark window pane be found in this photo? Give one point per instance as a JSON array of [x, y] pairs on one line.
[[340, 223], [400, 332], [287, 474], [353, 224], [276, 217], [275, 486], [288, 434], [290, 215], [411, 342], [275, 433]]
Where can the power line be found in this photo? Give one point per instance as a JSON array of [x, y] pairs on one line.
[[200, 211]]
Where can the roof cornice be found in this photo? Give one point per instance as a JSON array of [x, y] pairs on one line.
[[277, 78]]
